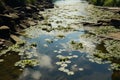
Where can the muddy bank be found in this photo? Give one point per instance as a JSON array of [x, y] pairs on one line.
[[15, 19]]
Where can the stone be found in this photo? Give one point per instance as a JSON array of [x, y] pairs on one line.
[[15, 39], [10, 16], [22, 26]]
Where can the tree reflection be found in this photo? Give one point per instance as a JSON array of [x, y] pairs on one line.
[[7, 69]]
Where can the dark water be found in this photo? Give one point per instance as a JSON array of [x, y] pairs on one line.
[[80, 65]]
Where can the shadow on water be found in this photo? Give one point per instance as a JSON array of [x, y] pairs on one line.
[[7, 69]]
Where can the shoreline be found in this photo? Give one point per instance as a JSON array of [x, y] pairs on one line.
[[16, 19]]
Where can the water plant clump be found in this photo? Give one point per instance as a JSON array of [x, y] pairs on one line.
[[33, 45], [25, 52], [113, 47], [115, 66], [60, 36], [106, 50], [26, 63], [96, 14], [105, 30], [112, 55], [76, 45], [63, 62], [13, 48], [49, 40], [65, 29]]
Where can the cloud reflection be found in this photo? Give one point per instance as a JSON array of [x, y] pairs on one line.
[[30, 75], [45, 61]]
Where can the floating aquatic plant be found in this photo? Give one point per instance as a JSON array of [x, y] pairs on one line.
[[76, 45], [49, 40], [25, 51], [105, 30], [115, 66], [33, 45], [25, 63], [60, 36]]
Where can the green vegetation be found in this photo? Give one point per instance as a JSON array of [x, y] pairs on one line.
[[105, 30], [105, 2], [28, 57], [76, 45]]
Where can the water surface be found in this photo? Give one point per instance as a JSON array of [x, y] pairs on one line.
[[67, 13]]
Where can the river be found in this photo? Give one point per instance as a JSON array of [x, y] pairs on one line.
[[59, 56]]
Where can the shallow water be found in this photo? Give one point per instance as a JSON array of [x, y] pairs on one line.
[[67, 13]]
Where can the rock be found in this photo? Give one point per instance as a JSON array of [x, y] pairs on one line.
[[4, 44], [4, 32], [91, 24], [32, 23], [25, 22], [22, 26], [10, 16], [113, 9], [109, 22], [1, 43], [103, 21], [15, 39]]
